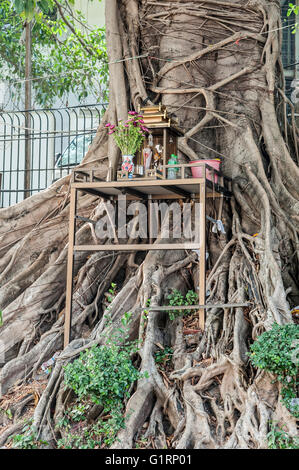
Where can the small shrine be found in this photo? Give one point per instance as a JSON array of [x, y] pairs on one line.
[[159, 147], [150, 173]]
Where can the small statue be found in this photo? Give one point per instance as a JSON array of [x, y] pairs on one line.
[[157, 154], [147, 157]]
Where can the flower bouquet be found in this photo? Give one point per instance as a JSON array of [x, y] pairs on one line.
[[128, 136]]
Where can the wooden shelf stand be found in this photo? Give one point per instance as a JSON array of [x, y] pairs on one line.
[[185, 188]]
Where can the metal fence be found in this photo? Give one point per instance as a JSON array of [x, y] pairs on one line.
[[59, 139]]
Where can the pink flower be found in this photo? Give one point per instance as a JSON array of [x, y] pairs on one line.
[[111, 132], [108, 124], [132, 113], [112, 126], [140, 120]]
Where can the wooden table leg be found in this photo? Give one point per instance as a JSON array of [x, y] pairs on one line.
[[70, 269], [202, 256]]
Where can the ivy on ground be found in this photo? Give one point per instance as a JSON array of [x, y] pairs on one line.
[[278, 438]]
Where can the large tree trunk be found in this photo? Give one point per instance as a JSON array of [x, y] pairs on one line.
[[217, 67]]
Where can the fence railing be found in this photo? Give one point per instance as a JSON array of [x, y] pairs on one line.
[[59, 140]]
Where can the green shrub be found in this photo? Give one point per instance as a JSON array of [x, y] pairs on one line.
[[177, 298], [92, 436], [275, 351], [279, 439], [163, 356], [28, 439], [102, 374]]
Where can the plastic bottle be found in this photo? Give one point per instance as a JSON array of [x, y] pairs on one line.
[[172, 172]]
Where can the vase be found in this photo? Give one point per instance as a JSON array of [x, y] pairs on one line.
[[128, 164]]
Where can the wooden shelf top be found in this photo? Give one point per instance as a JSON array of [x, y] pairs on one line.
[[159, 189], [145, 188]]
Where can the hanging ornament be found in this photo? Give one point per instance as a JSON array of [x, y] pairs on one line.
[[150, 140]]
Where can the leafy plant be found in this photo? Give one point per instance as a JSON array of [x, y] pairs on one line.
[[67, 56], [28, 439], [7, 412], [129, 134], [276, 351], [78, 412], [101, 375], [141, 443], [177, 298], [94, 436], [112, 291], [293, 9], [191, 298], [163, 356], [279, 439]]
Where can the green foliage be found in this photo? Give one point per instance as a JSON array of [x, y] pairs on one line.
[[94, 436], [141, 443], [293, 9], [112, 291], [89, 436], [78, 412], [163, 356], [191, 298], [28, 8], [7, 412], [28, 439], [67, 56], [177, 298], [279, 439], [276, 351], [101, 375]]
